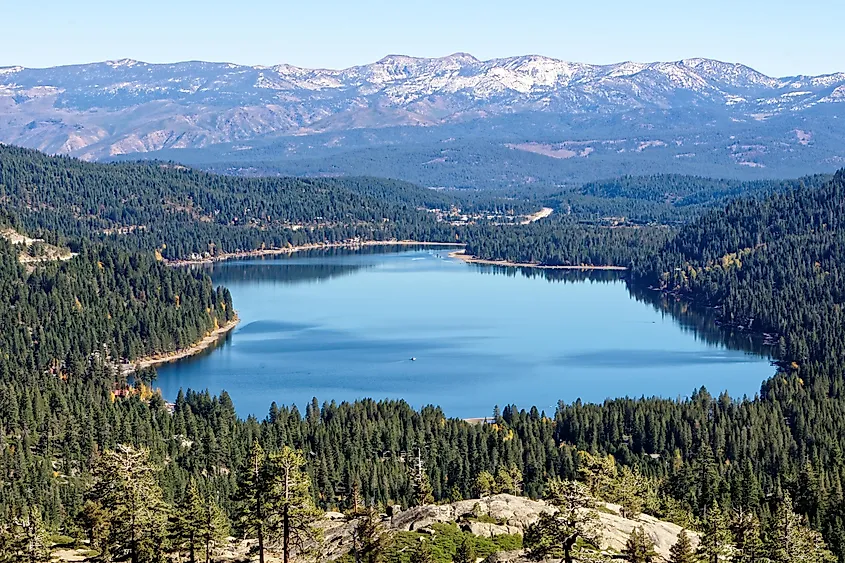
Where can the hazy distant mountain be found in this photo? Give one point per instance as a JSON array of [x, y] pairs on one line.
[[119, 107]]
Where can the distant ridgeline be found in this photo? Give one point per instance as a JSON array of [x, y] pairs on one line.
[[769, 264], [179, 211]]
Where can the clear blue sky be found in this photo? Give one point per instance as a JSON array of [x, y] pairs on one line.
[[778, 37]]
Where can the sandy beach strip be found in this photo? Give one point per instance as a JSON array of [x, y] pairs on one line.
[[166, 358], [315, 246], [462, 255]]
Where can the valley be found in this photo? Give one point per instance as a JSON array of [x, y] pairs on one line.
[[651, 290], [423, 310]]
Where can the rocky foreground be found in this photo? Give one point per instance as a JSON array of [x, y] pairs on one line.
[[486, 517]]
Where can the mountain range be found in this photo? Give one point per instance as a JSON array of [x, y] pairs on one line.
[[692, 110]]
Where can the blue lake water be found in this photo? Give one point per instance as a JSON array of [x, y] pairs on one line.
[[344, 325]]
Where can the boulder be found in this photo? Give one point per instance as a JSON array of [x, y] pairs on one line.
[[487, 517], [508, 514], [512, 514], [489, 530], [335, 516], [616, 530]]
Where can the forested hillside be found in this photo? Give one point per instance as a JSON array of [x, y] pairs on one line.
[[179, 211], [665, 198], [624, 220], [566, 241], [771, 266], [103, 301]]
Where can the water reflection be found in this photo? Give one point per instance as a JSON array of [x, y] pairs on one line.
[[281, 271], [309, 266], [700, 322], [552, 275]]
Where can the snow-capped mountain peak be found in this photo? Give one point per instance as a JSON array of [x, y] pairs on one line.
[[196, 103]]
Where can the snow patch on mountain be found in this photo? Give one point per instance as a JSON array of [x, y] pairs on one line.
[[123, 63], [147, 106]]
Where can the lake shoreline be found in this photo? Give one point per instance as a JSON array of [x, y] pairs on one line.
[[470, 259], [212, 339], [160, 359], [304, 247], [344, 328], [217, 334]]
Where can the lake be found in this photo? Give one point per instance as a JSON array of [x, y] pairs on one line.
[[417, 325]]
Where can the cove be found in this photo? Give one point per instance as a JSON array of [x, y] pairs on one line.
[[417, 325]]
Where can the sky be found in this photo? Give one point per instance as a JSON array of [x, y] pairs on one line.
[[777, 37]]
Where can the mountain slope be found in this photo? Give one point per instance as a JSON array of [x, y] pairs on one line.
[[182, 212], [771, 266], [119, 107]]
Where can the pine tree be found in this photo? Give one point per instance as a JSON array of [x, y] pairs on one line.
[[126, 488], [789, 540], [707, 474], [12, 542], [185, 522], [504, 482], [598, 473], [807, 495], [356, 500], [253, 500], [508, 480], [292, 503], [94, 521], [422, 554], [24, 539], [750, 494], [834, 525], [213, 527], [558, 534], [745, 532], [422, 493], [639, 548], [630, 489], [455, 494], [715, 545], [465, 553], [369, 538], [485, 484], [681, 551], [517, 478], [36, 538]]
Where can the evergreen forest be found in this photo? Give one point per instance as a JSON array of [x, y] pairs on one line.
[[91, 455]]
